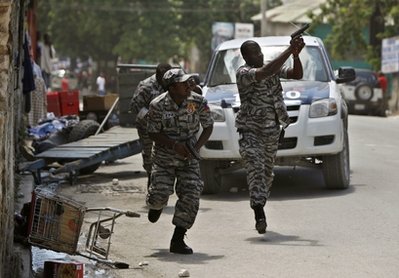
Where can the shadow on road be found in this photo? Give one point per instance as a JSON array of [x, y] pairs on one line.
[[302, 183], [289, 184], [100, 176], [196, 258], [273, 238], [168, 210]]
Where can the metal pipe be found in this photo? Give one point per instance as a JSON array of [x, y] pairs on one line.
[[107, 116]]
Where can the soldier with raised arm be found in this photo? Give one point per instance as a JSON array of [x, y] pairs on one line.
[[262, 117]]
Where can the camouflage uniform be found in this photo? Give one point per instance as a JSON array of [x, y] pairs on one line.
[[146, 91], [181, 124], [261, 113]]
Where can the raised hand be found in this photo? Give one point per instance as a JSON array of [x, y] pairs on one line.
[[297, 44]]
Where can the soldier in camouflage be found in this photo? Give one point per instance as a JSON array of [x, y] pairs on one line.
[[262, 117], [174, 119], [146, 91]]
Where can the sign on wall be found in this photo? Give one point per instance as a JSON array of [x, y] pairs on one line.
[[221, 31], [224, 31], [243, 30], [390, 55]]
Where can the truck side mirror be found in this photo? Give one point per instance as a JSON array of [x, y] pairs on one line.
[[346, 74]]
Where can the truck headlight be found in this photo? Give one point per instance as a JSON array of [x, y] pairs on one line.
[[323, 108], [217, 113]]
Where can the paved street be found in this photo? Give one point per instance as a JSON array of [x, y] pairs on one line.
[[313, 232]]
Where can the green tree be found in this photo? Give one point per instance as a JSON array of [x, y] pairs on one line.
[[151, 31], [198, 17], [358, 26]]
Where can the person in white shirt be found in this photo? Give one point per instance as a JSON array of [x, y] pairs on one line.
[[101, 84]]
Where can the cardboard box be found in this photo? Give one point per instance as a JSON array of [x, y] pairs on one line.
[[99, 103], [63, 269]]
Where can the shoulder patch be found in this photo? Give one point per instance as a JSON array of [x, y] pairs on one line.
[[191, 107]]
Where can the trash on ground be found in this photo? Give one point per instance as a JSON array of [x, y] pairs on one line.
[[184, 273], [143, 263], [51, 125], [59, 268]]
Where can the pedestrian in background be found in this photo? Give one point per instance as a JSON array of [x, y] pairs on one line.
[[383, 81], [101, 84], [38, 109], [146, 91], [260, 118], [47, 57], [84, 80], [174, 119], [39, 47]]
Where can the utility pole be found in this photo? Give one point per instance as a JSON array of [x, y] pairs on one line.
[[263, 8]]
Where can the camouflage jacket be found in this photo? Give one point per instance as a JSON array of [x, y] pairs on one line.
[[180, 123], [262, 107], [146, 91]]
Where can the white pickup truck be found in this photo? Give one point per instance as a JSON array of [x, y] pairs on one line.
[[317, 135]]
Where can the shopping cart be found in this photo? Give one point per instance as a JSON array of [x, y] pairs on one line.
[[55, 223]]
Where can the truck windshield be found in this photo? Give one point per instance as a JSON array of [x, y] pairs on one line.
[[228, 61]]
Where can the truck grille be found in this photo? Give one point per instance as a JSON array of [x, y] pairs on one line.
[[293, 112], [214, 145]]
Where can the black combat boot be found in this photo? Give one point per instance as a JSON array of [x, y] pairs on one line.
[[154, 214], [260, 219], [177, 244]]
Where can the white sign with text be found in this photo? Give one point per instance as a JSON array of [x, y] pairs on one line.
[[390, 55]]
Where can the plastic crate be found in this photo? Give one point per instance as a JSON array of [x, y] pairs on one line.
[[69, 101], [53, 103], [55, 222]]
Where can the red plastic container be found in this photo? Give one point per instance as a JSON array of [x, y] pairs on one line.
[[53, 103], [69, 101]]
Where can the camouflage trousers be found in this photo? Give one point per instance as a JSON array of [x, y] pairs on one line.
[[259, 153], [146, 152], [186, 176]]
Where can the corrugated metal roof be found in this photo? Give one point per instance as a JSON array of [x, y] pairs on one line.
[[294, 11]]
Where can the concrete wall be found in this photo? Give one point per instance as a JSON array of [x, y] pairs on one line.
[[10, 115]]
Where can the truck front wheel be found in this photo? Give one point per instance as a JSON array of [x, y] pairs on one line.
[[336, 168]]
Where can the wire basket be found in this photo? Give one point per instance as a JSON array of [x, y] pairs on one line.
[[55, 222]]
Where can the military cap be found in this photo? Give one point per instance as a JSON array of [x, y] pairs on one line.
[[175, 76]]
